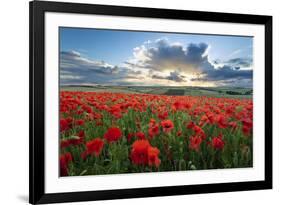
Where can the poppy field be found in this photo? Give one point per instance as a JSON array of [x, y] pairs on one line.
[[113, 133]]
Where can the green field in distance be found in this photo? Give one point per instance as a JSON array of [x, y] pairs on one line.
[[229, 92]]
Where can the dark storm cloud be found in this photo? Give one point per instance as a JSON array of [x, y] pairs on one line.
[[174, 76], [224, 73], [239, 62], [195, 52]]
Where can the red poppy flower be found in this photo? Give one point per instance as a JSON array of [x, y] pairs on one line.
[[199, 131], [217, 142], [116, 111], [64, 143], [195, 142], [152, 122], [167, 125], [87, 108], [139, 155], [64, 125], [246, 130], [195, 117], [74, 140], [65, 159], [247, 126], [113, 134], [247, 122], [153, 131], [179, 133], [95, 146], [211, 118], [221, 121], [140, 135], [79, 122], [99, 123], [178, 105], [81, 134], [153, 159], [79, 112], [69, 120], [84, 155], [233, 125], [190, 125], [163, 115], [204, 119], [130, 136], [68, 157]]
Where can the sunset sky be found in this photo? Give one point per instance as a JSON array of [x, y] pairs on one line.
[[111, 57]]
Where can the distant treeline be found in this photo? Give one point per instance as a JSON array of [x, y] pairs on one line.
[[230, 92], [175, 92]]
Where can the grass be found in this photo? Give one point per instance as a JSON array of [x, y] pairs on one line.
[[156, 90]]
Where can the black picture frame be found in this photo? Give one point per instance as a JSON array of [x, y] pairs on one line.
[[37, 11]]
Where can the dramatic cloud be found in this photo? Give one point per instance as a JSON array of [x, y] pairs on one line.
[[191, 60], [75, 69], [159, 62], [174, 76], [239, 62], [224, 73], [163, 56], [72, 60]]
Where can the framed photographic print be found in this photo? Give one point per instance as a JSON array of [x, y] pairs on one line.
[[140, 102]]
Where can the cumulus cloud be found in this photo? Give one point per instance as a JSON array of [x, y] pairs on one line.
[[164, 56], [189, 60]]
